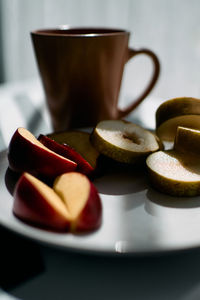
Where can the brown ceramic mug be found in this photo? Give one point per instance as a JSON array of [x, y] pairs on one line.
[[81, 71]]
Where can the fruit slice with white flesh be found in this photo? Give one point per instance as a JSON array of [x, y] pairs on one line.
[[123, 141], [27, 154], [177, 171], [174, 173], [80, 142], [82, 200], [176, 112], [187, 141], [72, 205], [63, 149], [37, 203]]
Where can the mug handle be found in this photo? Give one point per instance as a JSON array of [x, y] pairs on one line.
[[156, 72]]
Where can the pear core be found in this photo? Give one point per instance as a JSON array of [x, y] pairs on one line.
[[127, 136]]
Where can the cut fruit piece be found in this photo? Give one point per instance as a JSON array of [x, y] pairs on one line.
[[123, 141], [37, 203], [73, 203], [174, 173], [80, 142], [64, 150], [27, 154], [82, 200], [176, 112], [187, 141], [167, 130], [177, 172]]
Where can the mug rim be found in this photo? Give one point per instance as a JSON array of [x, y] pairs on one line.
[[79, 31]]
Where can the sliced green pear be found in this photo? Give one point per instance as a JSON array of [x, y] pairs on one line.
[[123, 141], [177, 171], [174, 173], [176, 112], [187, 141]]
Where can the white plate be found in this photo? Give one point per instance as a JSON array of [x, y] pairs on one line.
[[136, 218]]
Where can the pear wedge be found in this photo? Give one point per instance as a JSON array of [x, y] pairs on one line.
[[177, 172], [184, 111], [174, 174], [187, 140], [123, 141]]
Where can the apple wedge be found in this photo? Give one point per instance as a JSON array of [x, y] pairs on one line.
[[82, 200], [64, 150], [123, 141], [177, 172], [26, 153], [37, 203], [72, 205], [80, 142], [176, 112]]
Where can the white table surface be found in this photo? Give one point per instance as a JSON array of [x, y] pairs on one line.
[[65, 275]]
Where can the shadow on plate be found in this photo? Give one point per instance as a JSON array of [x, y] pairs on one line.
[[170, 201], [122, 181]]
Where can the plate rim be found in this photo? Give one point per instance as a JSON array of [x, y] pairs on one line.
[[83, 250]]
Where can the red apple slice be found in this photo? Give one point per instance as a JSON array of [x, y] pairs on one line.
[[80, 142], [73, 203], [37, 203], [62, 149], [26, 153], [82, 200]]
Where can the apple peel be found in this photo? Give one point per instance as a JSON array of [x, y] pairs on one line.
[[37, 203], [27, 154], [85, 213], [80, 142], [68, 152], [73, 204]]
